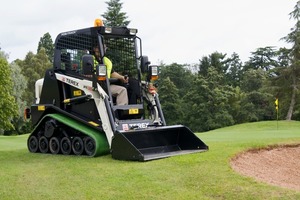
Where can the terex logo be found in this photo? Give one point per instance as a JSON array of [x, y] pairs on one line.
[[72, 82], [138, 125]]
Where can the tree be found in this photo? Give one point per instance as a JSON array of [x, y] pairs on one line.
[[292, 71], [280, 81], [19, 86], [47, 43], [257, 102], [7, 102], [253, 80], [214, 60], [174, 82], [234, 71], [33, 68], [170, 100], [262, 58], [179, 75], [207, 103], [256, 106], [114, 16]]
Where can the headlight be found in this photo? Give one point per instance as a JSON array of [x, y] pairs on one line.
[[153, 73], [132, 31]]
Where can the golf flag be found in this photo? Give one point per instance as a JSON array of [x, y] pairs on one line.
[[276, 103]]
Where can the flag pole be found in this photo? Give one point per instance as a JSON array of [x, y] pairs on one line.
[[276, 107], [277, 119]]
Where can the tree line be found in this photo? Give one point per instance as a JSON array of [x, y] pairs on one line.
[[219, 91]]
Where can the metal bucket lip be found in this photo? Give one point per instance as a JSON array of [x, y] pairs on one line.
[[148, 157]]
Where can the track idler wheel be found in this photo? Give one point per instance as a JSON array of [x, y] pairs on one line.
[[89, 146], [65, 146], [43, 144], [54, 145], [50, 127], [33, 144], [77, 146]]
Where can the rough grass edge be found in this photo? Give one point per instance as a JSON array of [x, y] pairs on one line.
[[264, 148]]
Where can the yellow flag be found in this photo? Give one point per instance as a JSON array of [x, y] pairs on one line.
[[276, 103]]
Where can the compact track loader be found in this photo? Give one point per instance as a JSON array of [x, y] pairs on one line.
[[76, 114]]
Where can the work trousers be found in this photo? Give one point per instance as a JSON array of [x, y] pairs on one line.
[[120, 93]]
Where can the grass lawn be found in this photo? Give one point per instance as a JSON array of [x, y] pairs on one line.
[[207, 175]]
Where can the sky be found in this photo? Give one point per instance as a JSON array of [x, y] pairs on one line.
[[172, 31]]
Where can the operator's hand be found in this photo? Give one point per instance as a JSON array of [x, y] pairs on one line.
[[125, 79], [152, 89]]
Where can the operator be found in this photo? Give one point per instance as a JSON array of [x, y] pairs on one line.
[[117, 91]]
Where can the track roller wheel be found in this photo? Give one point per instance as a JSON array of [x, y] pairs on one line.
[[43, 144], [77, 146], [33, 144], [54, 145], [89, 146], [65, 146]]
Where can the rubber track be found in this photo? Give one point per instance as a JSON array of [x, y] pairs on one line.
[[102, 146]]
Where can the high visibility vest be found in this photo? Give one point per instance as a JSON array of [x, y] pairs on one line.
[[107, 63]]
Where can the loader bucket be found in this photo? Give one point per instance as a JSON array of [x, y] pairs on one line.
[[155, 143]]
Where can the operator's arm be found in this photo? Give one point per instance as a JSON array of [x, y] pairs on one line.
[[119, 76]]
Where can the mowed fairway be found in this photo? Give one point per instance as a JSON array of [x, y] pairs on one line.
[[207, 175]]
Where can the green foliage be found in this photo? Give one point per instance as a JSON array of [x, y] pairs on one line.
[[178, 74], [256, 106], [233, 66], [175, 80], [3, 55], [7, 102], [19, 86], [291, 69], [253, 80], [207, 103], [113, 16], [33, 68], [47, 43], [217, 96], [171, 102], [214, 60], [262, 58]]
